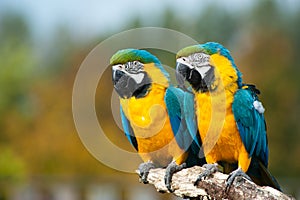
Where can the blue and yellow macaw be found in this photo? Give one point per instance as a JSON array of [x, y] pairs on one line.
[[229, 115], [152, 114]]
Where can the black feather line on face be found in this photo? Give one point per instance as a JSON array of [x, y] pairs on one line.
[[208, 80]]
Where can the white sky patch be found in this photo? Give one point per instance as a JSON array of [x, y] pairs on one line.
[[259, 107]]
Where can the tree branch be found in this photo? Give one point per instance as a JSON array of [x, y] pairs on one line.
[[211, 188]]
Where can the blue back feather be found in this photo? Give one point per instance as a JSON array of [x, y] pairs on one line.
[[251, 125], [173, 99], [180, 107], [128, 130], [190, 116]]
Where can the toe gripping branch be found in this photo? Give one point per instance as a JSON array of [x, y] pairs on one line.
[[212, 168], [233, 175], [209, 170], [144, 169], [170, 170]]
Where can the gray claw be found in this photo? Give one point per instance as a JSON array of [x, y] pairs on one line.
[[234, 174], [209, 170], [144, 169], [170, 170]]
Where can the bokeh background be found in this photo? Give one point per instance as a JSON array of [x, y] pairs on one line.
[[42, 45]]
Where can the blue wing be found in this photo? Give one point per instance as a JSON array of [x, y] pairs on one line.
[[251, 124], [128, 130], [190, 117], [180, 107]]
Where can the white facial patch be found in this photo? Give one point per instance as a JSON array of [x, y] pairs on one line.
[[201, 62], [117, 67], [200, 59], [137, 77], [184, 61], [258, 106], [203, 70]]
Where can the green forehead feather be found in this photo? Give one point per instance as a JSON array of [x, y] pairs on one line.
[[191, 50], [128, 55]]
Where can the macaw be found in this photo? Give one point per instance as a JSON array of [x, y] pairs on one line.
[[230, 116], [152, 114]]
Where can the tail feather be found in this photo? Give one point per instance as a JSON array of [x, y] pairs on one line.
[[194, 156], [261, 175]]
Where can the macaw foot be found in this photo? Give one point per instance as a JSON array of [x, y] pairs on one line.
[[171, 169], [209, 170], [234, 174], [144, 169]]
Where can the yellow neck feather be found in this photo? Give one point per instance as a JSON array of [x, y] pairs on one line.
[[225, 73], [156, 75], [147, 115]]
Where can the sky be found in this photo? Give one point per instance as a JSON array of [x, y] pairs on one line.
[[93, 17]]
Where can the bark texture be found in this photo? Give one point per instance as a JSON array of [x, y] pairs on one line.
[[213, 187]]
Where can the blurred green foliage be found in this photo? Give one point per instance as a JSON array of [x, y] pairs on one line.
[[37, 133], [12, 168]]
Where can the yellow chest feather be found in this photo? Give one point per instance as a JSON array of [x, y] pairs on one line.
[[147, 115], [218, 130], [150, 122]]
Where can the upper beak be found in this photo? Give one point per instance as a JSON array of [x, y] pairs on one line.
[[181, 72], [116, 75], [182, 66]]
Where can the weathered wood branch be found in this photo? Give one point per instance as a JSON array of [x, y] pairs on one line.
[[213, 187]]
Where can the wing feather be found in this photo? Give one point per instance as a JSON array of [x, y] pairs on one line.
[[128, 129], [251, 124]]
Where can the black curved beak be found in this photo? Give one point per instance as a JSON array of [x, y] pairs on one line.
[[117, 75], [182, 72], [186, 73]]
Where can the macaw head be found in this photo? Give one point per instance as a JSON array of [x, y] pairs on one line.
[[135, 71], [205, 65]]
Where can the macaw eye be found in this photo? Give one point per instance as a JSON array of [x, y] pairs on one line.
[[199, 56], [136, 65], [183, 59]]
